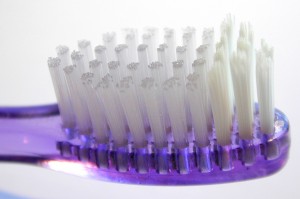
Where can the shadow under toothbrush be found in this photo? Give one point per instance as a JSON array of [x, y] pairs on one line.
[[34, 135]]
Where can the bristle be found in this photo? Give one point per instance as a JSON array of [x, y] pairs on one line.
[[242, 77], [178, 69], [85, 48], [63, 53], [137, 74], [228, 29], [220, 102], [201, 69], [143, 55], [182, 55], [170, 41], [245, 42], [122, 56], [95, 107], [78, 100], [189, 40], [265, 87], [113, 110], [100, 54], [157, 70], [110, 42], [114, 70], [198, 102], [79, 61], [97, 69], [133, 113], [164, 58], [202, 52], [242, 92], [222, 56], [62, 93], [174, 92], [135, 71], [158, 74], [208, 38], [150, 38], [155, 107], [131, 40]]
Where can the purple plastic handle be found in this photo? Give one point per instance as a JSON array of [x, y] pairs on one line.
[[34, 135]]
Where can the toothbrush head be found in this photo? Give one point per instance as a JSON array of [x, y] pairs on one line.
[[160, 114]]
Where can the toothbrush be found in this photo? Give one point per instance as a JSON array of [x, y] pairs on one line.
[[156, 114]]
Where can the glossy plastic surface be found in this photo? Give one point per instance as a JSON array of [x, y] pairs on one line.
[[34, 135]]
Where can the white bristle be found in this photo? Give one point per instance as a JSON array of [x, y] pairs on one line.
[[178, 69], [78, 100], [114, 70], [110, 42], [170, 41], [164, 58], [265, 87], [143, 55], [122, 56], [201, 69], [174, 92], [137, 72], [113, 110], [63, 53], [242, 77], [198, 102], [63, 97], [245, 42], [228, 29], [202, 52], [85, 48], [150, 38], [179, 73], [220, 102], [189, 40], [131, 40], [242, 93], [62, 93], [95, 108], [97, 69], [157, 70], [182, 55], [208, 38], [77, 59], [222, 56], [159, 76], [133, 113], [100, 54], [155, 107]]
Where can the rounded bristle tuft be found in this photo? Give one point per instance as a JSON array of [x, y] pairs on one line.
[[53, 62], [84, 43], [94, 63], [132, 66], [113, 65], [100, 49], [120, 47], [142, 47], [61, 50], [76, 55]]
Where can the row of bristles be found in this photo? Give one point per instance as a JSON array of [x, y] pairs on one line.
[[115, 98]]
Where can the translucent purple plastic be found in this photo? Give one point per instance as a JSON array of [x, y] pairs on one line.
[[34, 135]]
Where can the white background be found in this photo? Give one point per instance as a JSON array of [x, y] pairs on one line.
[[30, 31]]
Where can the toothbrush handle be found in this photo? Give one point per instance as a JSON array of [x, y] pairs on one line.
[[29, 131]]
